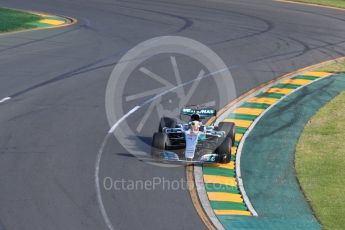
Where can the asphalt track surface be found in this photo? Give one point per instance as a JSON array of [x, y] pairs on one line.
[[53, 127]]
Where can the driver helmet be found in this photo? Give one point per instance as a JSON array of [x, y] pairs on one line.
[[195, 117], [195, 126]]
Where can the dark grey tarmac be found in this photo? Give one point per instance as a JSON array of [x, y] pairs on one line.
[[52, 129]]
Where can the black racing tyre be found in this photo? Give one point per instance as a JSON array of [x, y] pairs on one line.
[[224, 150], [228, 128], [167, 122], [159, 141]]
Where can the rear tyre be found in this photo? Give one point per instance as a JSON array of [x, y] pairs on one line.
[[224, 150], [167, 122], [228, 128], [159, 141]]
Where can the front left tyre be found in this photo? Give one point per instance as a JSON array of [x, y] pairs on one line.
[[159, 142]]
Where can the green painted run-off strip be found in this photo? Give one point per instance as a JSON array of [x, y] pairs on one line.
[[267, 162]]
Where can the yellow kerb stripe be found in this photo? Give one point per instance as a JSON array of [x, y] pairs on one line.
[[232, 212], [296, 81], [230, 165], [250, 111], [317, 74], [238, 136], [279, 90], [263, 100], [233, 150], [224, 196], [52, 21], [240, 123], [211, 179]]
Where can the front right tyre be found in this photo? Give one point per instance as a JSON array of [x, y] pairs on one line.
[[224, 150], [229, 129]]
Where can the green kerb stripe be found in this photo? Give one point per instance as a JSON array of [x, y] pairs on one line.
[[241, 130], [236, 143], [242, 117], [222, 188], [304, 77], [255, 105], [56, 18], [38, 24], [286, 86], [271, 95], [218, 171], [223, 205]]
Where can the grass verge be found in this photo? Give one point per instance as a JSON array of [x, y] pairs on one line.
[[338, 67], [333, 3], [320, 160], [12, 20]]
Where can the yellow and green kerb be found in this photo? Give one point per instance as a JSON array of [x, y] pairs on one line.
[[220, 179], [49, 21]]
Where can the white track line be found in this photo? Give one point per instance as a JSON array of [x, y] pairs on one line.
[[240, 147], [98, 188], [97, 167], [123, 118], [5, 99]]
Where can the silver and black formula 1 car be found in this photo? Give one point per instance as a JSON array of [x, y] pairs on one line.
[[193, 142]]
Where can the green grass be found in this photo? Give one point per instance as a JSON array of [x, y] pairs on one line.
[[11, 20], [334, 3], [320, 162]]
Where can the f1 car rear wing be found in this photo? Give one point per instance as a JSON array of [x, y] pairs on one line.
[[203, 113]]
